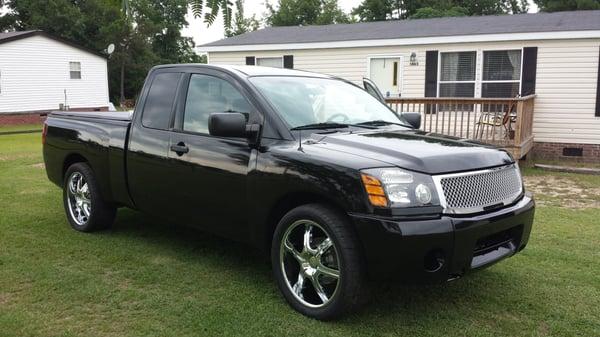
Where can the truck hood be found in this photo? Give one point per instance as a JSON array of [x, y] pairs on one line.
[[415, 150]]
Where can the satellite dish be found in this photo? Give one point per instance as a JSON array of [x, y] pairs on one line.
[[110, 49]]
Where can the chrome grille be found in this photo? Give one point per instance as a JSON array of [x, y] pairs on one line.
[[471, 192]]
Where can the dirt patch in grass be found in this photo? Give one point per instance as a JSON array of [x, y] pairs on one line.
[[4, 298], [15, 156], [552, 190], [38, 165]]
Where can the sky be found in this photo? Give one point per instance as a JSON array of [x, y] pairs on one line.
[[202, 34]]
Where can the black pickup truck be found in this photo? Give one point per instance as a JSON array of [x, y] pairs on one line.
[[338, 188]]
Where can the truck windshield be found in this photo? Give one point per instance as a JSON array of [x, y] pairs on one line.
[[303, 101]]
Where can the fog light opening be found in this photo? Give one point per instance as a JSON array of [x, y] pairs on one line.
[[434, 261]]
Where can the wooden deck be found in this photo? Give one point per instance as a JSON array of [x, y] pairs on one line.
[[503, 122]]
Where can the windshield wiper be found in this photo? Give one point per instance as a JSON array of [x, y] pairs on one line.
[[321, 126], [330, 125], [380, 122]]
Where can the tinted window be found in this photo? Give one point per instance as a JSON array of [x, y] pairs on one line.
[[306, 100], [157, 110], [208, 94]]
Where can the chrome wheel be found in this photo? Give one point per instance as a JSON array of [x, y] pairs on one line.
[[310, 263], [79, 199]]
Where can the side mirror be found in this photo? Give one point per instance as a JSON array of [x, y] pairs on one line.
[[227, 124], [232, 124], [413, 118]]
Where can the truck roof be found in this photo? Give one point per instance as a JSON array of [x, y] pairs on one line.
[[247, 70]]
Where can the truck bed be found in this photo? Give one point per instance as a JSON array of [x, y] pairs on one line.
[[110, 115], [99, 138]]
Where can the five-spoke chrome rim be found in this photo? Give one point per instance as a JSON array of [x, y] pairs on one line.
[[78, 198], [309, 263]]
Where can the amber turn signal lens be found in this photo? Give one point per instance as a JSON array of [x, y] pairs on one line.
[[368, 180], [374, 190], [377, 200]]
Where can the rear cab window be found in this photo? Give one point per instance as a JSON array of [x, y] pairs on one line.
[[159, 102]]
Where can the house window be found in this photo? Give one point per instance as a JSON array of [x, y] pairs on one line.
[[457, 74], [75, 70], [501, 73], [275, 62]]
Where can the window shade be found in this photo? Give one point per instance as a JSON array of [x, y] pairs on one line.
[[275, 62], [502, 65], [75, 70], [458, 66]]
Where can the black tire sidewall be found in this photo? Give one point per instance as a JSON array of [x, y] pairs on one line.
[[350, 265]]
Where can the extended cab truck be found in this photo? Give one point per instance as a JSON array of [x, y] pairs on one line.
[[337, 187]]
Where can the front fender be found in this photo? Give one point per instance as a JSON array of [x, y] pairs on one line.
[[282, 175]]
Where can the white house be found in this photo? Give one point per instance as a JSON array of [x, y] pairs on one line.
[[471, 61], [39, 72]]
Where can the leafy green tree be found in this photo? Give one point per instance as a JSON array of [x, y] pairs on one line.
[[305, 12], [241, 24], [211, 10], [566, 5], [375, 10], [428, 12]]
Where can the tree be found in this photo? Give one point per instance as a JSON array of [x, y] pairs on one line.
[[428, 12], [211, 9], [375, 10], [241, 24], [305, 12], [566, 5]]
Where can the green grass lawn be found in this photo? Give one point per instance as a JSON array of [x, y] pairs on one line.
[[20, 127], [149, 278]]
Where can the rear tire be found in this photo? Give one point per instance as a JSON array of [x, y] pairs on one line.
[[84, 206], [325, 278]]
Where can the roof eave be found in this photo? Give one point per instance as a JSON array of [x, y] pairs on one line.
[[412, 41], [52, 37]]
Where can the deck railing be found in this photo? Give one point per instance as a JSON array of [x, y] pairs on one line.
[[504, 122]]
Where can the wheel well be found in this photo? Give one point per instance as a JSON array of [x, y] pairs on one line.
[[290, 202], [70, 160]]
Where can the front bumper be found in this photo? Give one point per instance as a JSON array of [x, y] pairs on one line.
[[444, 248]]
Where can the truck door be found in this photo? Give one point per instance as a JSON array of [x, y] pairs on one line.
[[148, 168], [210, 173], [372, 89]]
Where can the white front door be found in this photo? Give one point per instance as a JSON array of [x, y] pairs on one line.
[[386, 73]]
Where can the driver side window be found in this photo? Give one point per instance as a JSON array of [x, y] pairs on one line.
[[208, 94]]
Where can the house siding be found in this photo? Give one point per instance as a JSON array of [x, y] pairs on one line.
[[567, 74], [34, 74]]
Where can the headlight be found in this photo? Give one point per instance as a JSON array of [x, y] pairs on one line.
[[394, 187]]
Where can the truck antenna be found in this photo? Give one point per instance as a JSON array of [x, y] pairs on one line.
[[300, 140]]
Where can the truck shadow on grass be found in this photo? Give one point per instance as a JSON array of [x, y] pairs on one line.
[[478, 295]]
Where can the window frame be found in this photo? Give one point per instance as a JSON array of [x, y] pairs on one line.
[[256, 58], [439, 71], [482, 81], [177, 125], [74, 71], [478, 82]]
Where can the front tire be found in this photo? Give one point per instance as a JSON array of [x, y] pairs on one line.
[[84, 207], [317, 262]]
